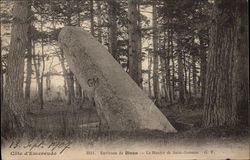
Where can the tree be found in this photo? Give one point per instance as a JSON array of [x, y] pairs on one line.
[[112, 10], [167, 61], [155, 56], [29, 55], [134, 44], [99, 21], [149, 72], [36, 62], [203, 57], [241, 63], [194, 59], [69, 14], [41, 94], [181, 87], [15, 70], [29, 63], [227, 83], [92, 24], [185, 21]]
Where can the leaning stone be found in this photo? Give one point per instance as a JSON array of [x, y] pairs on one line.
[[120, 103]]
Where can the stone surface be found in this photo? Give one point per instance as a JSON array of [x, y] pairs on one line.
[[120, 103]]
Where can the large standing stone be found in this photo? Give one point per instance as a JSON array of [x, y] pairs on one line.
[[121, 104]]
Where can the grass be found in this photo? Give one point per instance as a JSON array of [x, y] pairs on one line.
[[57, 119]]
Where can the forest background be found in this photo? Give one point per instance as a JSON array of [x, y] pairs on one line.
[[186, 55]]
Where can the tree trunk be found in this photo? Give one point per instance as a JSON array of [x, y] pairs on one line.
[[28, 75], [1, 67], [163, 71], [164, 92], [241, 65], [67, 82], [48, 82], [92, 29], [43, 68], [167, 66], [134, 45], [180, 75], [155, 56], [189, 83], [203, 57], [29, 63], [227, 65], [68, 79], [120, 102], [172, 60], [78, 16], [99, 21], [186, 94], [2, 78], [139, 26], [113, 28], [194, 76], [37, 69], [149, 73], [15, 61]]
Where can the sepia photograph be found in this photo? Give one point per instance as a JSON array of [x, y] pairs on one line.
[[124, 79]]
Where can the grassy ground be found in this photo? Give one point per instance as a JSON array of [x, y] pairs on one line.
[[56, 124], [59, 120]]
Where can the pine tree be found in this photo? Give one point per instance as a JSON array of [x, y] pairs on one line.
[[226, 82], [15, 70], [134, 42]]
